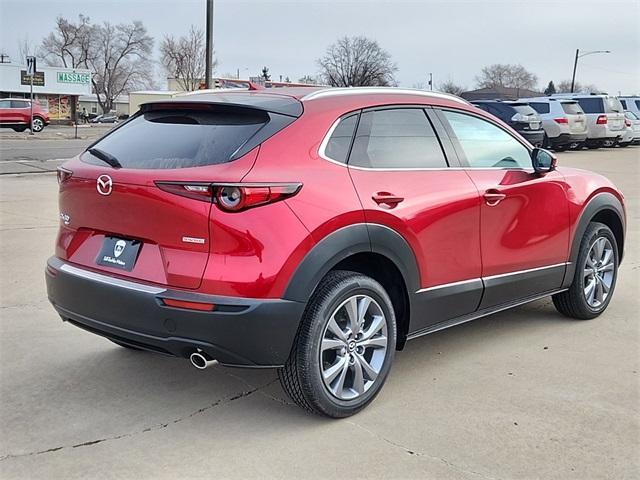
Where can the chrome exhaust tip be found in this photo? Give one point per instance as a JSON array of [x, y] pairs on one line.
[[201, 360]]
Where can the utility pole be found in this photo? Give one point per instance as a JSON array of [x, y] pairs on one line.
[[431, 81], [31, 71], [209, 46], [575, 63], [575, 66], [3, 57]]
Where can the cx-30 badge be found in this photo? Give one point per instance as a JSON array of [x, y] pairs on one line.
[[104, 185]]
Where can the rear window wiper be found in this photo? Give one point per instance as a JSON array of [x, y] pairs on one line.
[[105, 157]]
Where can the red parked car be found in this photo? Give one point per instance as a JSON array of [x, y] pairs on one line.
[[16, 113], [316, 231]]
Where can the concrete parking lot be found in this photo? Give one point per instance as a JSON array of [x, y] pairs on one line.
[[521, 394]]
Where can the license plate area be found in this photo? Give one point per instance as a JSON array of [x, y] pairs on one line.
[[119, 253]]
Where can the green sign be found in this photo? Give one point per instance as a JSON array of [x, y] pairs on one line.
[[73, 77]]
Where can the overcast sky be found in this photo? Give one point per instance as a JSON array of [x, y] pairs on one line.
[[453, 39]]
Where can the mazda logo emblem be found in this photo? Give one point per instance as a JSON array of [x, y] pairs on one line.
[[104, 185]]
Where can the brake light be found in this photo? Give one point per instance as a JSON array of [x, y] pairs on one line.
[[561, 120], [233, 197], [63, 174], [601, 120], [627, 122]]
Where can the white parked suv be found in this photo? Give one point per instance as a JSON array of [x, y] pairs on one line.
[[563, 121], [631, 103], [605, 118]]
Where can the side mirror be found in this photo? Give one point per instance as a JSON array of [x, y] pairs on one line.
[[543, 161]]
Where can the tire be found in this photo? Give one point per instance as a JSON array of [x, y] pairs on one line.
[[37, 124], [546, 143], [309, 376], [575, 302], [124, 345], [561, 148]]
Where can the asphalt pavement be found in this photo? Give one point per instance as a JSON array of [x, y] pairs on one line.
[[44, 151], [521, 394]]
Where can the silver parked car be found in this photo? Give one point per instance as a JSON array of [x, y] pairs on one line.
[[605, 118], [564, 122], [632, 132]]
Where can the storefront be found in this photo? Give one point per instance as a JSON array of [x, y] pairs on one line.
[[55, 89]]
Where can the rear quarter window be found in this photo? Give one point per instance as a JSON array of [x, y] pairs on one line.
[[180, 138], [337, 147], [540, 107], [613, 105], [591, 105]]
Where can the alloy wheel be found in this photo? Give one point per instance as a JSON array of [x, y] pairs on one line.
[[37, 125], [353, 347], [599, 271]]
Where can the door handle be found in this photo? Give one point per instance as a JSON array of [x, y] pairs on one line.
[[493, 197], [386, 198]]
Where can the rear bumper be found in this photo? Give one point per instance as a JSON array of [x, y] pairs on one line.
[[239, 332], [534, 138], [567, 139]]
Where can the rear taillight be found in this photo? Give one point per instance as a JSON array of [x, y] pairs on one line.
[[601, 120], [63, 174], [627, 122], [561, 120], [233, 197]]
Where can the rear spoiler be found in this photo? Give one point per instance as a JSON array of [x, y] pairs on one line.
[[266, 102]]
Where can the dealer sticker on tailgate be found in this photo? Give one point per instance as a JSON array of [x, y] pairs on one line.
[[118, 253]]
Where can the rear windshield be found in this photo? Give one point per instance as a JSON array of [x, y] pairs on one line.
[[523, 108], [591, 104], [613, 105], [572, 108], [540, 107], [179, 138]]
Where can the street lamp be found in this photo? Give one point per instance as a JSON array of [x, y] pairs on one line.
[[575, 63]]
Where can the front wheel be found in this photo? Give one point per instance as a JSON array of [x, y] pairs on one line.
[[595, 276], [344, 348], [37, 124]]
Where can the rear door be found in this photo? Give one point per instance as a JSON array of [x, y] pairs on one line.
[[121, 221], [524, 216], [401, 174]]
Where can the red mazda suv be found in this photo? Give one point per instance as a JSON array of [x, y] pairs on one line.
[[316, 231], [16, 113]]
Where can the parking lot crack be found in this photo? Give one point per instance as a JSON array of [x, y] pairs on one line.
[[416, 453], [158, 426]]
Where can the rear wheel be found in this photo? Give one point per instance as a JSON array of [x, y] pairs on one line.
[[595, 276], [344, 348]]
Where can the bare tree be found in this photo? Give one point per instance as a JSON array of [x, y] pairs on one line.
[[450, 87], [357, 61], [70, 44], [184, 58], [565, 87], [511, 76], [310, 79], [117, 55], [25, 48]]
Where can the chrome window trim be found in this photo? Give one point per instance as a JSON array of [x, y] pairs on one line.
[[117, 282], [325, 142], [331, 92], [492, 277]]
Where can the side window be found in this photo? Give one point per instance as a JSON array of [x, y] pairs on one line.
[[396, 138], [591, 105], [19, 104], [637, 102], [4, 103], [540, 107], [624, 103], [486, 145], [337, 147]]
